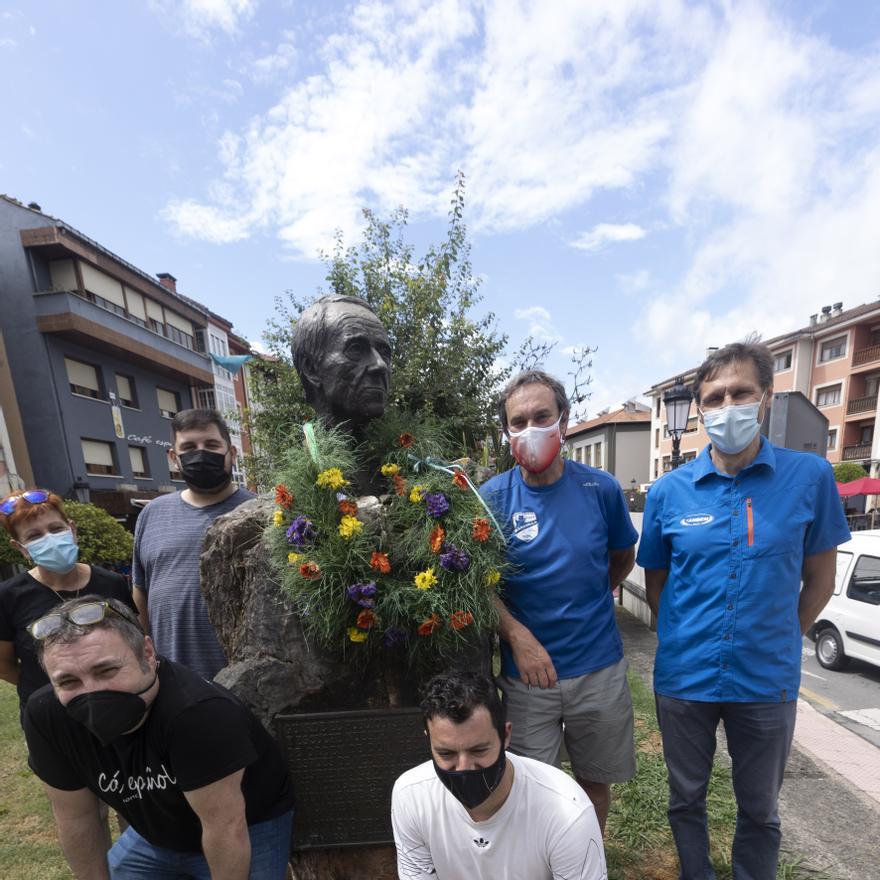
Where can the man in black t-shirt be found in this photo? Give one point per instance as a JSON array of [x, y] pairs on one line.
[[202, 784]]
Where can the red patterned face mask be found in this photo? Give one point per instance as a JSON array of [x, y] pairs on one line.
[[535, 448]]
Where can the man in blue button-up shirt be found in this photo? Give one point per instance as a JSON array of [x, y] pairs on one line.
[[726, 542]]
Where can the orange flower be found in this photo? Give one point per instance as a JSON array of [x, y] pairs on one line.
[[428, 626], [481, 529], [406, 440], [461, 619], [348, 508], [365, 619], [310, 571], [283, 496], [438, 536], [399, 484], [460, 480], [379, 562]]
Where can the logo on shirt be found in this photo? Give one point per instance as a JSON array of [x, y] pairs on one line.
[[478, 841], [697, 519], [525, 525]]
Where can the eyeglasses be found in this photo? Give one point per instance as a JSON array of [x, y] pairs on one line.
[[87, 614], [34, 496]]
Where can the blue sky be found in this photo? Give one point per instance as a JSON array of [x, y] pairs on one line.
[[651, 178]]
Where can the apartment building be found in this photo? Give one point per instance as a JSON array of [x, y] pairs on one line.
[[96, 357], [834, 361]]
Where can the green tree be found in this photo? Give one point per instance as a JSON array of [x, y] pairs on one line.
[[847, 471], [100, 538]]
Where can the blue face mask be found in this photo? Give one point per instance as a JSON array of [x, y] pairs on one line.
[[56, 551], [732, 428]]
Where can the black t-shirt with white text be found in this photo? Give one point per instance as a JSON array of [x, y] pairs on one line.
[[23, 599], [196, 733]]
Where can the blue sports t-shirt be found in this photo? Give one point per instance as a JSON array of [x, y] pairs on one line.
[[558, 538]]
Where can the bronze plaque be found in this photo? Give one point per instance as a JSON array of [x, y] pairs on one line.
[[343, 766]]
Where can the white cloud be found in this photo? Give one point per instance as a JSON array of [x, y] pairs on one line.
[[204, 222], [199, 18], [603, 233], [540, 323], [7, 43], [276, 63]]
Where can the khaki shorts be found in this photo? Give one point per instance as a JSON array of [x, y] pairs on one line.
[[591, 713]]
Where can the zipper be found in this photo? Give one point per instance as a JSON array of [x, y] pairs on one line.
[[750, 521]]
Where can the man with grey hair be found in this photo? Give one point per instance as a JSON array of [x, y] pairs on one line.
[[726, 542], [202, 785], [570, 542]]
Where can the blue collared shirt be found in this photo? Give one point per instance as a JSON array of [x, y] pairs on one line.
[[734, 547]]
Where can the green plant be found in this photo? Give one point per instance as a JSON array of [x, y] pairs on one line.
[[847, 471]]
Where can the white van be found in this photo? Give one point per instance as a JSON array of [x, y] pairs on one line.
[[849, 625]]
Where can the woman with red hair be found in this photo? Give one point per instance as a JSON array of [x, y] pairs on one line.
[[40, 529]]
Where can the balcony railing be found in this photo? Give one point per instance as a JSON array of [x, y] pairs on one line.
[[861, 405], [857, 453], [866, 355]]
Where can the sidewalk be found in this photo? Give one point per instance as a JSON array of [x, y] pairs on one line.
[[830, 801]]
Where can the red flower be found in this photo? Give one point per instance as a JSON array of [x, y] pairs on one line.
[[406, 440], [460, 480], [399, 484], [436, 539], [461, 619], [348, 508], [283, 496], [379, 562], [365, 619], [428, 626], [481, 529], [310, 571]]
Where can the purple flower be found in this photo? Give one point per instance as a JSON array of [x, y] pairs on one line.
[[453, 559], [437, 504], [394, 636], [362, 594], [301, 532]]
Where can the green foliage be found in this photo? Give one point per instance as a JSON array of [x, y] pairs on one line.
[[100, 537], [847, 471]]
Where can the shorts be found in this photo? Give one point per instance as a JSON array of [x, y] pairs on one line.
[[592, 713]]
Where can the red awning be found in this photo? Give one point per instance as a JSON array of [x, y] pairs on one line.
[[864, 486]]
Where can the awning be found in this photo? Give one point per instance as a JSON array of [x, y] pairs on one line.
[[863, 486]]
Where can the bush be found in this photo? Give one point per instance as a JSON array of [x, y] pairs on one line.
[[847, 471]]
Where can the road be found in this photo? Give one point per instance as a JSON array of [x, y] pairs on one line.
[[850, 697]]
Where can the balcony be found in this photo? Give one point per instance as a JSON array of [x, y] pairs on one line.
[[861, 405], [857, 453], [866, 356]]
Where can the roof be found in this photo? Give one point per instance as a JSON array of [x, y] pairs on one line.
[[617, 417]]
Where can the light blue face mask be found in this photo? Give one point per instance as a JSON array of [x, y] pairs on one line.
[[732, 428], [56, 551]]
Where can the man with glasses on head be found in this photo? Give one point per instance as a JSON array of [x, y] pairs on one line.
[[201, 783], [726, 542]]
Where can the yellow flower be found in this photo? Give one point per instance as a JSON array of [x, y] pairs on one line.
[[349, 526], [426, 579], [278, 518], [357, 635], [493, 577], [294, 558], [417, 493], [389, 470], [331, 479]]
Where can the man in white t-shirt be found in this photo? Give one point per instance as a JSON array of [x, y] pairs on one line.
[[476, 812]]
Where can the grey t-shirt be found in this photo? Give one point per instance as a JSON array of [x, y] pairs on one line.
[[168, 542]]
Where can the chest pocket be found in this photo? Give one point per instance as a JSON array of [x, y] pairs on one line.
[[775, 524]]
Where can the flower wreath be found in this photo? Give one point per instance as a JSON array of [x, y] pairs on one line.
[[416, 569]]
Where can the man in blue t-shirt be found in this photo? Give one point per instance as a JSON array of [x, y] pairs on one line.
[[726, 541], [570, 542]]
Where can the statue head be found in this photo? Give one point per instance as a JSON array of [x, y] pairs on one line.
[[343, 357]]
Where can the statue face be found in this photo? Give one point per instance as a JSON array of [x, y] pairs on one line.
[[355, 370]]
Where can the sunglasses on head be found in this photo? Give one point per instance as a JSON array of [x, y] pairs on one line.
[[87, 614], [34, 496]]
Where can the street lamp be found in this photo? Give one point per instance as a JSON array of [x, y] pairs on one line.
[[677, 401]]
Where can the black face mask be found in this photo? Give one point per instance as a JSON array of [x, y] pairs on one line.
[[204, 470], [108, 714], [472, 787]]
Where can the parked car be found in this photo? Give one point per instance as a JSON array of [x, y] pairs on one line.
[[849, 625]]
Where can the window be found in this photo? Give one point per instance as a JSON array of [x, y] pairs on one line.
[[832, 439], [169, 404], [656, 436], [656, 468], [588, 455], [782, 362], [598, 453], [180, 337], [83, 378], [98, 457], [156, 326], [206, 398], [829, 396], [658, 406], [866, 434], [865, 583], [137, 455], [125, 391], [833, 348], [875, 336]]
